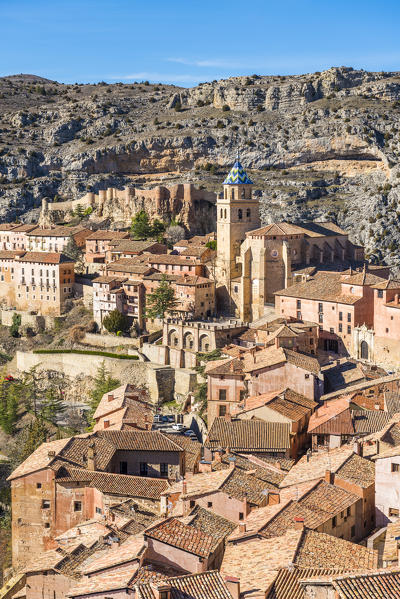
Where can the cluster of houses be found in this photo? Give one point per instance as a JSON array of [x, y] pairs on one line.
[[293, 491]]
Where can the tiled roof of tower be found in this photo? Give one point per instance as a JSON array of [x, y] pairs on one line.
[[237, 175], [39, 459], [277, 229], [177, 534], [204, 585], [385, 584], [320, 550], [249, 435]]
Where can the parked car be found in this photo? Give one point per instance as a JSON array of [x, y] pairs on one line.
[[171, 418], [189, 433], [179, 427], [158, 419]]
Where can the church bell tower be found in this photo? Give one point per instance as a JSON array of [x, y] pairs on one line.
[[237, 213]]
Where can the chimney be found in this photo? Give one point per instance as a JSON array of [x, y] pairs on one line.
[[78, 531], [233, 586], [298, 523], [218, 455], [110, 397], [273, 497], [91, 457], [329, 477], [205, 466], [242, 527], [51, 455], [184, 487], [246, 507], [161, 591], [357, 447]]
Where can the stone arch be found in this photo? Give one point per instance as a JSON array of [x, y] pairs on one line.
[[364, 350], [188, 340], [173, 338], [204, 343]]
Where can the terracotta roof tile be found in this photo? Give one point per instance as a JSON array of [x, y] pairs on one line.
[[39, 459], [286, 585], [320, 550], [118, 579], [173, 532], [327, 415], [249, 435], [369, 586], [108, 558], [210, 523], [324, 286], [45, 258], [108, 235], [314, 466], [205, 585]]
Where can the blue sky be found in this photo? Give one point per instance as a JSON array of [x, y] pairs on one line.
[[186, 42]]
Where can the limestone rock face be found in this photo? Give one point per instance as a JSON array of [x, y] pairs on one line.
[[320, 145]]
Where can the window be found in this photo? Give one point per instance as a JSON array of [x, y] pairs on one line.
[[45, 504], [209, 503], [98, 510], [241, 516], [340, 315], [222, 394], [106, 423], [77, 506], [240, 214], [386, 330], [298, 315], [242, 394], [348, 316], [192, 503], [143, 469], [298, 304], [38, 485], [334, 522], [163, 469], [332, 330], [248, 212], [307, 376], [393, 512], [340, 327], [320, 317], [222, 410], [348, 511], [395, 467], [349, 330], [380, 293], [353, 531], [47, 525], [320, 307], [123, 467]]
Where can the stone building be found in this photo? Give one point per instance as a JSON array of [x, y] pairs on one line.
[[36, 281], [55, 239], [98, 244], [252, 262]]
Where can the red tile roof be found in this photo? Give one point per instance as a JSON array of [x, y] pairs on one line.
[[185, 537]]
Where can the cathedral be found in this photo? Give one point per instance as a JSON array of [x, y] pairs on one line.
[[254, 262]]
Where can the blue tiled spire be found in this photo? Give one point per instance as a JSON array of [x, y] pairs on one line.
[[237, 174]]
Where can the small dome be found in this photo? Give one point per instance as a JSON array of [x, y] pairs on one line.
[[237, 175]]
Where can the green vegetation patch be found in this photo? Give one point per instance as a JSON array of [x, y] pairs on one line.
[[105, 354]]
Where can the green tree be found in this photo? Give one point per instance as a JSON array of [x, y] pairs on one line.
[[157, 228], [28, 389], [79, 211], [52, 405], [141, 227], [115, 321], [212, 244], [103, 383], [162, 300], [16, 323], [35, 434], [73, 251], [9, 400]]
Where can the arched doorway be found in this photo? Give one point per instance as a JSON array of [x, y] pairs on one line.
[[173, 338], [364, 350], [204, 343], [188, 340]]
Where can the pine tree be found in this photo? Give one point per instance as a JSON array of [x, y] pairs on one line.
[[115, 321], [79, 212], [52, 405], [35, 434], [12, 409], [103, 383], [162, 300], [141, 227]]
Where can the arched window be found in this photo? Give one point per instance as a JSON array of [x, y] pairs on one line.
[[225, 213], [233, 194], [248, 212], [221, 213], [240, 214], [242, 194]]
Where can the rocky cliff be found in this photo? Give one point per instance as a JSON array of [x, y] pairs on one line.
[[321, 145]]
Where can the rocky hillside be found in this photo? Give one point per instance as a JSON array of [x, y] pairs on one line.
[[321, 145]]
